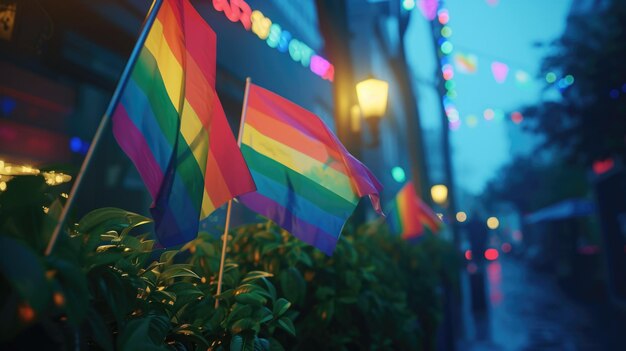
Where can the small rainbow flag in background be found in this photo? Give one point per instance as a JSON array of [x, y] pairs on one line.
[[307, 182], [408, 214], [466, 63], [171, 124], [428, 218]]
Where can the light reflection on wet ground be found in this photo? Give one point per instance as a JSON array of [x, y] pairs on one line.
[[528, 311]]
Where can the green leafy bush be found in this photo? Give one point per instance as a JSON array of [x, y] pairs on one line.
[[107, 286], [376, 292]]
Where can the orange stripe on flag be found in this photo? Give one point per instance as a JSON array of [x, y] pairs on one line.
[[291, 137]]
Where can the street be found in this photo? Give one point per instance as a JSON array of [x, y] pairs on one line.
[[528, 311]]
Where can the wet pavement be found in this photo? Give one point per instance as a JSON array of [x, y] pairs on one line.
[[527, 310]]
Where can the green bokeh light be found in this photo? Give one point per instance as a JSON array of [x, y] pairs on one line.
[[450, 84], [398, 174], [408, 5], [447, 47], [446, 32]]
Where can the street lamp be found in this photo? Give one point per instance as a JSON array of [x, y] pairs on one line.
[[439, 193], [372, 94]]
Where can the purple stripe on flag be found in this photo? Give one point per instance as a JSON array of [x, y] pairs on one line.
[[132, 141], [303, 230]]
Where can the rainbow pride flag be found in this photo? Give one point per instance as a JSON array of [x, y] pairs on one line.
[[408, 214], [428, 217], [307, 182], [171, 124]]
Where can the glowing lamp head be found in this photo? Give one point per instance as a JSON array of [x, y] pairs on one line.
[[372, 94], [439, 193]]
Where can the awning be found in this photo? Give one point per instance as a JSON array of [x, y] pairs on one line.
[[561, 210]]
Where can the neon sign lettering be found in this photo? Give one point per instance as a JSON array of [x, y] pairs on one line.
[[275, 36], [235, 11]]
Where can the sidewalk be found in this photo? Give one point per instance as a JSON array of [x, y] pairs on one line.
[[528, 311]]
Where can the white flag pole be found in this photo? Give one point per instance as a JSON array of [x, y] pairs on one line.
[[230, 202], [156, 5]]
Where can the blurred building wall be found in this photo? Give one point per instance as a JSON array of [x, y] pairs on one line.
[[61, 62]]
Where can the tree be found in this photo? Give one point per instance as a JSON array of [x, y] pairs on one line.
[[587, 122], [530, 184]]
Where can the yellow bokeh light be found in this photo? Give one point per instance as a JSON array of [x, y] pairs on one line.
[[493, 223], [461, 216], [439, 193], [3, 186]]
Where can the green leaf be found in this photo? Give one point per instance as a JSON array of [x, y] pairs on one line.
[[168, 256], [111, 287], [250, 299], [287, 325], [195, 336], [245, 324], [99, 330], [104, 258], [185, 290], [270, 288], [261, 344], [244, 342], [239, 312], [324, 293], [348, 299], [108, 218], [254, 275], [281, 306], [305, 259], [51, 218], [177, 270], [24, 272], [293, 285], [136, 336], [275, 345], [267, 248], [163, 296], [75, 289], [217, 318], [263, 314], [236, 343], [265, 235]]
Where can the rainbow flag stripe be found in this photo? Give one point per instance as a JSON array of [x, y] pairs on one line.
[[307, 182], [428, 218], [404, 213], [466, 63], [171, 124]]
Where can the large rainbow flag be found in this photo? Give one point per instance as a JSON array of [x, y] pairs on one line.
[[408, 214], [307, 182], [171, 124]]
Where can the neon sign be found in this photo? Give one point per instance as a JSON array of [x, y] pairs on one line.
[[275, 36]]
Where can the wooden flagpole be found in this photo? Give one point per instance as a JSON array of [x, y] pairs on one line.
[[230, 202], [156, 5]]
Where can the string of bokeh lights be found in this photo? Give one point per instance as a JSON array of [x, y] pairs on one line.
[[468, 64]]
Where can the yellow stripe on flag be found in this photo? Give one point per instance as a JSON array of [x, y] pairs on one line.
[[309, 167]]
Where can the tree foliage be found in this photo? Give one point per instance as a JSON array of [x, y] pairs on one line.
[[530, 183], [587, 120]]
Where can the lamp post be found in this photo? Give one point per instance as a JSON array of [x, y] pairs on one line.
[[372, 95]]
